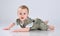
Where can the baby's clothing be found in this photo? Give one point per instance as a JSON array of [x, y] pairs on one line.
[[33, 24], [38, 24], [27, 23]]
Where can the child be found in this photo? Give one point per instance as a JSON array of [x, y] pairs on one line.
[[27, 23]]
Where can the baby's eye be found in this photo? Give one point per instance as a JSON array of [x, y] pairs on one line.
[[20, 13], [24, 13]]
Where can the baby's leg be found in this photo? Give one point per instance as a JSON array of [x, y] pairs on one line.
[[35, 26], [39, 24], [43, 26], [46, 27]]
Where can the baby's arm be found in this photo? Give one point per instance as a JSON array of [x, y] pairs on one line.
[[8, 27], [22, 30], [26, 29]]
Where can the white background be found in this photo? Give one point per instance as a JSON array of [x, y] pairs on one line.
[[44, 9]]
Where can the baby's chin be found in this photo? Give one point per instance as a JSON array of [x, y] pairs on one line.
[[22, 19]]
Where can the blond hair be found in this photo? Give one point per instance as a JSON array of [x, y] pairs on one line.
[[24, 7]]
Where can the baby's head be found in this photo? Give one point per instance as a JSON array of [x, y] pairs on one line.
[[23, 12]]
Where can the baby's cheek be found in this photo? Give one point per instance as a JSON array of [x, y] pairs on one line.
[[20, 16], [25, 16]]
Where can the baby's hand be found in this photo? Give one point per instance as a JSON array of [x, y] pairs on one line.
[[6, 28]]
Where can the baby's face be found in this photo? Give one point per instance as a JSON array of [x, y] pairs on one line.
[[22, 14]]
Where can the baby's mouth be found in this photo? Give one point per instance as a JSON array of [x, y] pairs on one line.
[[22, 17]]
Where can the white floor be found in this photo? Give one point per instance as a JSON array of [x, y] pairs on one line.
[[31, 33]]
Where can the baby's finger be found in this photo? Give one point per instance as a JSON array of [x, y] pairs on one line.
[[5, 29]]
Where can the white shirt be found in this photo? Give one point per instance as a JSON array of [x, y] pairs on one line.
[[18, 26]]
